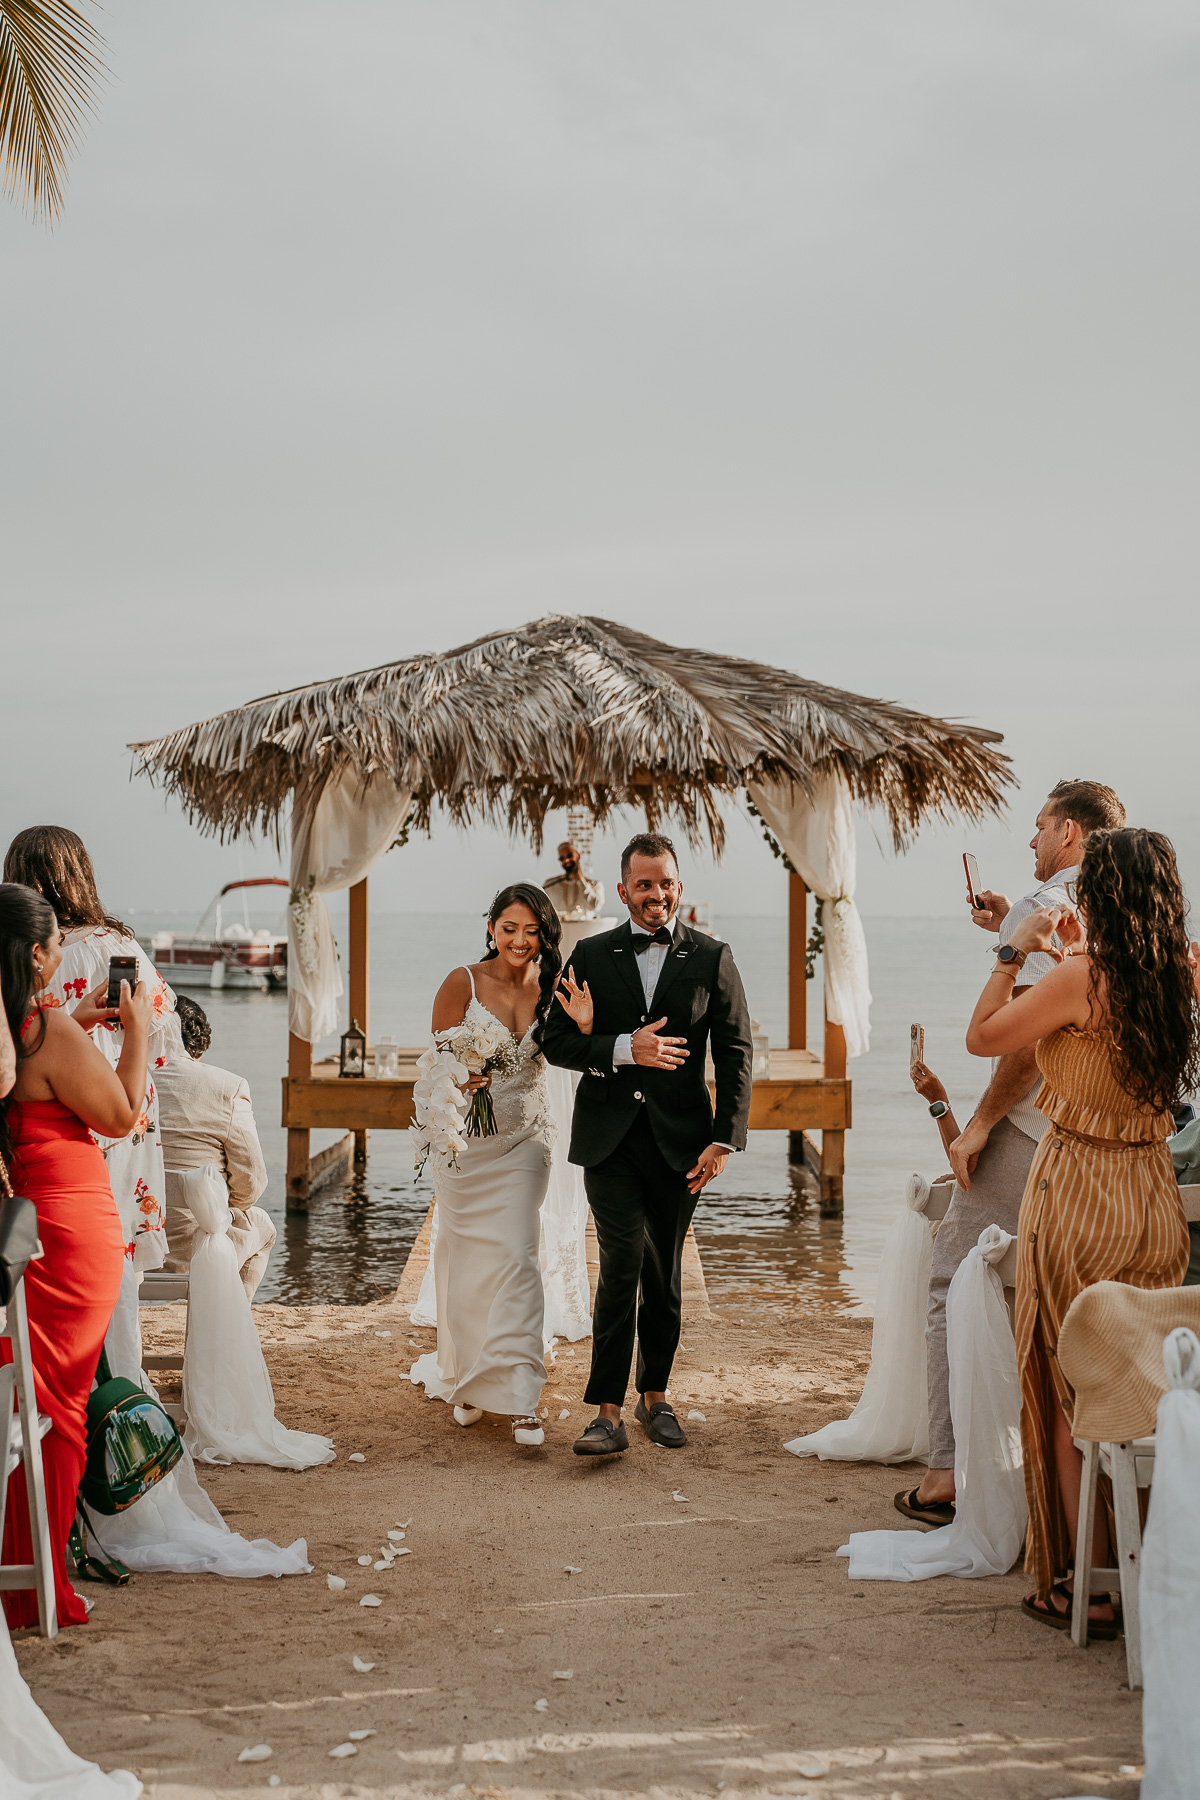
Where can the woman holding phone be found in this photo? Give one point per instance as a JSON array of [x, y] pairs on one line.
[[55, 862], [65, 1092], [1117, 1030]]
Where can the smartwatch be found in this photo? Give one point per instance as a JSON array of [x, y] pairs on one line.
[[1010, 958], [939, 1109]]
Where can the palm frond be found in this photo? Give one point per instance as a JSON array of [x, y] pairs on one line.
[[573, 711], [50, 69]]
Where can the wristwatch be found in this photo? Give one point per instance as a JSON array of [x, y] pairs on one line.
[[939, 1109], [1009, 956]]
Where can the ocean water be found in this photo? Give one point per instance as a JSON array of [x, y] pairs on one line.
[[759, 1228]]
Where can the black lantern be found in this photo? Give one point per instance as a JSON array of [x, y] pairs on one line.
[[354, 1051]]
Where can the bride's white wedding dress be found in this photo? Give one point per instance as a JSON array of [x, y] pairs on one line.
[[484, 1288]]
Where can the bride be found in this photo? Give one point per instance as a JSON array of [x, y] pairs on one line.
[[490, 1300]]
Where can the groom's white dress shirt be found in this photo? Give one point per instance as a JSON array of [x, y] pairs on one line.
[[650, 961]]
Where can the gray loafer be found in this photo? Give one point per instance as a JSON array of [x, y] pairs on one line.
[[602, 1438], [660, 1424]]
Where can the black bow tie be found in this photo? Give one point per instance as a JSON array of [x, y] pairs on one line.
[[643, 940]]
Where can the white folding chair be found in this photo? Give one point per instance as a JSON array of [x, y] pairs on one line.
[[1129, 1466], [21, 1435], [159, 1288]]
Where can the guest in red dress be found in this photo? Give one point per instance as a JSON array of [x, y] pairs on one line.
[[64, 1090]]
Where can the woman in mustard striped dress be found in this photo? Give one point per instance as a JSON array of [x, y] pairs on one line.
[[1117, 1029]]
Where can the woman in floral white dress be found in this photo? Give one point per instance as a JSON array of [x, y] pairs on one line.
[[490, 1305]]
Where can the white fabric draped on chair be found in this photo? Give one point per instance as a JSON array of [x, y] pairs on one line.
[[890, 1424], [35, 1762], [1170, 1583], [985, 1405], [228, 1401]]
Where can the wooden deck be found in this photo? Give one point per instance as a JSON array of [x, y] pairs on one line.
[[798, 1097]]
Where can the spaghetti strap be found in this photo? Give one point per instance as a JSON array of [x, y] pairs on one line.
[[471, 979]]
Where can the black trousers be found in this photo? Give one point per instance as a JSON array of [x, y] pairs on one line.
[[642, 1210]]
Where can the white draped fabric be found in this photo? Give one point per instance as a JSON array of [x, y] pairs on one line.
[[227, 1396], [891, 1421], [817, 832], [175, 1527], [1170, 1583], [562, 1255], [985, 1405], [35, 1762], [333, 846]]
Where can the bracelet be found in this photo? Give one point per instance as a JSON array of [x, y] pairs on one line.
[[1005, 969]]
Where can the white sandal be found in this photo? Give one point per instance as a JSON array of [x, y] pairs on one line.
[[527, 1430], [467, 1415]]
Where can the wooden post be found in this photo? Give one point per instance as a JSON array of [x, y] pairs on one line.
[[359, 986], [797, 987], [833, 1143], [797, 951], [299, 1067]]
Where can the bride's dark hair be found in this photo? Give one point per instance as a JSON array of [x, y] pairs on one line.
[[524, 893]]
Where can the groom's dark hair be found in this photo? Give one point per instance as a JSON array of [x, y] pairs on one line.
[[647, 843]]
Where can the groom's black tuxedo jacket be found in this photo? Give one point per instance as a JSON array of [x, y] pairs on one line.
[[700, 992]]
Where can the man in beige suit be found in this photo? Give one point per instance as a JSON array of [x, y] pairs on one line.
[[205, 1116]]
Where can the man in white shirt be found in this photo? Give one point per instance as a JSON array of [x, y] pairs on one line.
[[992, 1156]]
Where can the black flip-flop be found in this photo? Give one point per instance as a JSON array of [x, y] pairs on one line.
[[1039, 1606], [925, 1512]]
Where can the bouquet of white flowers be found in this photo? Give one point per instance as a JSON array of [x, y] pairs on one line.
[[486, 1047], [437, 1104], [478, 1047]]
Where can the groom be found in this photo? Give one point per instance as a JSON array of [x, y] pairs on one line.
[[643, 1126]]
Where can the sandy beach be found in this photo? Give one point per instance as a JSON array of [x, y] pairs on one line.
[[714, 1641]]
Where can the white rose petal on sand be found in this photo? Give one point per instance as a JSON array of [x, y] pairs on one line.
[[564, 1414], [541, 1706], [364, 1562], [699, 1417], [564, 1674], [334, 1583], [344, 1750], [396, 1536], [356, 1737], [370, 1600], [363, 1668], [256, 1753], [570, 1569], [356, 1456]]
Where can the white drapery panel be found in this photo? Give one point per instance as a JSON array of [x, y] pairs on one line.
[[817, 832], [333, 846], [35, 1763], [1170, 1583], [891, 1421], [989, 1477], [228, 1400]]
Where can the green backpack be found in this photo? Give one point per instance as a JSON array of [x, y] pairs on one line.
[[132, 1442]]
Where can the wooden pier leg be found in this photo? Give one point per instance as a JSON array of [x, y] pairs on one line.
[[299, 1067], [833, 1143], [360, 987], [797, 988]]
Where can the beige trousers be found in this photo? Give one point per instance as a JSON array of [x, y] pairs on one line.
[[252, 1234]]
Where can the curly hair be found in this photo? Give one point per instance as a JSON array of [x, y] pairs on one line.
[[1132, 898], [524, 893], [194, 1027], [55, 861]]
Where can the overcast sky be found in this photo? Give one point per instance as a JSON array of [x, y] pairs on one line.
[[855, 337]]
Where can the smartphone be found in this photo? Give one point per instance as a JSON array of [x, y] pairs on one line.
[[974, 885], [120, 968], [916, 1046]]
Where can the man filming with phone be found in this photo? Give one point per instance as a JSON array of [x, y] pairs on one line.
[[991, 1156]]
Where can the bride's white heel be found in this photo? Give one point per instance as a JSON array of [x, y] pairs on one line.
[[467, 1415], [527, 1430]]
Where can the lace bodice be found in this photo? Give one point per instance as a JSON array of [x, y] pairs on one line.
[[521, 1098]]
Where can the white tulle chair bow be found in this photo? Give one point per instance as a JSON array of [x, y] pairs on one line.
[[891, 1421], [1170, 1582], [985, 1406], [227, 1394]]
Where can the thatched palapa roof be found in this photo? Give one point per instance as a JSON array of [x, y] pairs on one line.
[[573, 711]]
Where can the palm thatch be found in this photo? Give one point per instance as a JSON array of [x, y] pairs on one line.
[[50, 69], [572, 711]]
